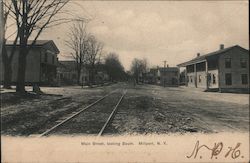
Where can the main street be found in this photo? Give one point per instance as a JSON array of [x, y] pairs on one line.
[[145, 109]]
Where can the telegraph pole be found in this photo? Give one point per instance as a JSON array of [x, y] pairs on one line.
[[164, 78]]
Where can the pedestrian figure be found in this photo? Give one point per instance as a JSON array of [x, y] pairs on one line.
[[134, 82]]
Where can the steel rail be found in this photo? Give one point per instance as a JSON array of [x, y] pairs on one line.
[[111, 115], [72, 116]]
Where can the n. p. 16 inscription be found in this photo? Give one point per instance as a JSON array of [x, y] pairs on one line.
[[217, 150]]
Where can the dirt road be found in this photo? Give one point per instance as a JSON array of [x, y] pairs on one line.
[[146, 109], [152, 109]]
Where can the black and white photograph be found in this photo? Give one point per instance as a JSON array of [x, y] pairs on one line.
[[108, 70]]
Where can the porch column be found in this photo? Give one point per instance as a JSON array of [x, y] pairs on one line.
[[186, 77], [206, 75], [195, 76]]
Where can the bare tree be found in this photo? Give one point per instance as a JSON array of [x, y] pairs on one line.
[[114, 67], [31, 18], [78, 43], [94, 55], [1, 25], [7, 57], [138, 67]]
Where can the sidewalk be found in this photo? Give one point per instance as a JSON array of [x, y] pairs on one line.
[[45, 88]]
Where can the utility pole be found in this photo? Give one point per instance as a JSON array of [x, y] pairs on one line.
[[137, 74], [164, 74]]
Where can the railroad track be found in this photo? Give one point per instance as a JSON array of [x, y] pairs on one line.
[[90, 110]]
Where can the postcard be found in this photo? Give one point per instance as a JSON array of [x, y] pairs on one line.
[[124, 81]]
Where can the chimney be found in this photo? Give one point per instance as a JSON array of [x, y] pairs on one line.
[[198, 54], [221, 46]]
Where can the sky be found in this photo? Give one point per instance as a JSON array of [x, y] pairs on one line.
[[174, 31]]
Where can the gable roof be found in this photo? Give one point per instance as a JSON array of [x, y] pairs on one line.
[[38, 43], [204, 57]]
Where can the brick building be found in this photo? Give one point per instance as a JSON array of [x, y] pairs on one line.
[[225, 70]]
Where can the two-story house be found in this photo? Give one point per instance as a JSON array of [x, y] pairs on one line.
[[41, 62], [169, 76], [165, 76], [67, 73], [225, 70]]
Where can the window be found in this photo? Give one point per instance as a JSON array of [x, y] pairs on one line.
[[199, 78], [73, 76], [201, 66], [214, 79], [53, 59], [243, 63], [244, 79], [45, 57], [228, 62], [209, 77], [190, 68], [228, 78]]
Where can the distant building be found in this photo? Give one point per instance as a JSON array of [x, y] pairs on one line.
[[153, 76], [67, 73], [100, 74], [41, 62], [182, 79], [168, 76], [225, 70]]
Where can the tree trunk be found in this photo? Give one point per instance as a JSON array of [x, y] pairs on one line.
[[23, 50], [7, 74], [2, 26], [7, 68], [78, 76], [92, 75], [21, 70]]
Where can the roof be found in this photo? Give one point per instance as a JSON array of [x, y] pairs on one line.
[[204, 57], [71, 65], [38, 43], [154, 70], [169, 69], [67, 64]]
